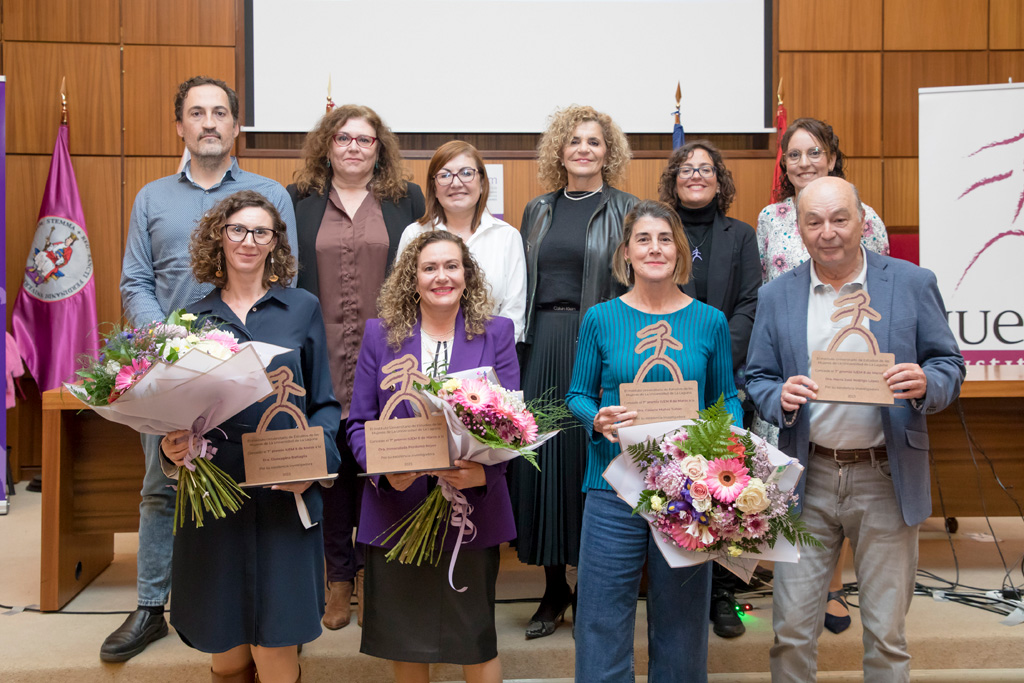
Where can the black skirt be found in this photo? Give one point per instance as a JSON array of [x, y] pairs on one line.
[[548, 505], [411, 614]]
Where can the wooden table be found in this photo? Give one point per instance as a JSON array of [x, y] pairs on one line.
[[93, 470], [92, 476], [992, 399]]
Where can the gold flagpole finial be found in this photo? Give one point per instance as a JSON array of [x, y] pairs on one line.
[[779, 93], [330, 102], [679, 99], [63, 101]]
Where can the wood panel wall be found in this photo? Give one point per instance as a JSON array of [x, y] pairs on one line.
[[854, 63]]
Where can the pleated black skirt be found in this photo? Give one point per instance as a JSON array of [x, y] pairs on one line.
[[411, 614], [548, 505]]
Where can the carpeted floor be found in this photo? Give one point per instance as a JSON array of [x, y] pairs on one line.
[[949, 642]]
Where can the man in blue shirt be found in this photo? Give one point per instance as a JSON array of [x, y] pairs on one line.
[[156, 278]]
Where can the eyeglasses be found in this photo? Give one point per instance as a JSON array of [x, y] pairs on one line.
[[445, 178], [793, 156], [237, 232], [705, 171], [344, 140]]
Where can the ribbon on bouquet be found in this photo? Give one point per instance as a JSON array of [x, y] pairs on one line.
[[198, 445], [461, 510]]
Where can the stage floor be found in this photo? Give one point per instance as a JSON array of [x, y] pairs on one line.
[[949, 642]]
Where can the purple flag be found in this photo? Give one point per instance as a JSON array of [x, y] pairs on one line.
[[55, 313]]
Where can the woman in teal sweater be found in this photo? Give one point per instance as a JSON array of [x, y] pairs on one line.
[[615, 543]]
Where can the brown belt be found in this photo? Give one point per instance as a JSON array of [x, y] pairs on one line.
[[850, 456]]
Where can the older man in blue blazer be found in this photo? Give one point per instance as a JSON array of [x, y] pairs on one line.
[[866, 475]]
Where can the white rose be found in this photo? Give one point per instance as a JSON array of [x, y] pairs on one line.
[[215, 349], [702, 505], [695, 467], [112, 367], [754, 497]]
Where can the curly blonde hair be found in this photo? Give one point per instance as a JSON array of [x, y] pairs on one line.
[[389, 174], [398, 304], [561, 126], [207, 251]]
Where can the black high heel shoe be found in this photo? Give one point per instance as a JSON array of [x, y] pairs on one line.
[[539, 627], [832, 622]]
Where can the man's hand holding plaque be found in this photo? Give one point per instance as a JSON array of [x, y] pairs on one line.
[[853, 377]]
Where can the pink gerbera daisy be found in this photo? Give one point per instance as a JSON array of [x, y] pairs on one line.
[[527, 426], [129, 375], [474, 395], [727, 477]]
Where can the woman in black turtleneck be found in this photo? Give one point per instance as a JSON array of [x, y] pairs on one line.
[[726, 274]]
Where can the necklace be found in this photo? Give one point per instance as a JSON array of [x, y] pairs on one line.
[[696, 250], [445, 337], [585, 195]]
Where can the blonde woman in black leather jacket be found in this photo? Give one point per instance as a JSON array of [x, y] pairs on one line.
[[569, 237]]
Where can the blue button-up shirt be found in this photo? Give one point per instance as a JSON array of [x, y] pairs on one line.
[[156, 276]]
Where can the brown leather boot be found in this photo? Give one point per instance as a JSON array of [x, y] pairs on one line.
[[246, 674], [359, 597], [338, 611]]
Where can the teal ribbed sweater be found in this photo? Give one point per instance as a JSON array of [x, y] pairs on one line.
[[605, 358]]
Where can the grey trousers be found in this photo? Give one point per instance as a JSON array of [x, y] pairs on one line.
[[858, 502]]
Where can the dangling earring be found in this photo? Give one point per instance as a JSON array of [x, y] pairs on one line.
[[416, 297], [273, 277], [328, 163], [629, 270], [465, 295], [220, 268]]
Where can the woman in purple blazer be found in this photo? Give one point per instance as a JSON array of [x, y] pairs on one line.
[[435, 305]]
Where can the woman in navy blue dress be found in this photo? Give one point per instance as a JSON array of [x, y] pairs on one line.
[[249, 588]]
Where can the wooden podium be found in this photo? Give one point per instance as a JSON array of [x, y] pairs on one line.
[[92, 476]]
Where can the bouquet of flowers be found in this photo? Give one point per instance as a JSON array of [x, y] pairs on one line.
[[182, 373], [487, 424], [712, 491]]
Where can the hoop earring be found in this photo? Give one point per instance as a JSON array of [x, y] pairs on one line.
[[416, 297], [465, 297], [273, 277], [220, 267]]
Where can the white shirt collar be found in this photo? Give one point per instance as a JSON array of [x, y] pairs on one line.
[[861, 278]]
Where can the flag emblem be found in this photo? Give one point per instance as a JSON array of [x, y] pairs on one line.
[[61, 263]]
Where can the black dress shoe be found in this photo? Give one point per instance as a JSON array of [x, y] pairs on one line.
[[139, 630], [543, 623], [724, 620]]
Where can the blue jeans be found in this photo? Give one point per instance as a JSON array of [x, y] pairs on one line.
[[613, 549], [156, 528], [858, 502]]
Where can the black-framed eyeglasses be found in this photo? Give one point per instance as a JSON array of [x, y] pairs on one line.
[[445, 177], [793, 156], [344, 140], [236, 232], [705, 171]]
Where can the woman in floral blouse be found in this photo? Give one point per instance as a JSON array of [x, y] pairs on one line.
[[810, 150]]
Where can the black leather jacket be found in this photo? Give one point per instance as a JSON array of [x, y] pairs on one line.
[[604, 233]]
